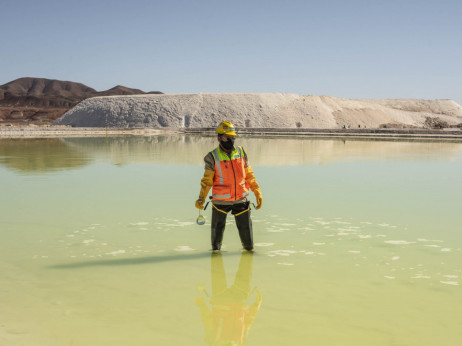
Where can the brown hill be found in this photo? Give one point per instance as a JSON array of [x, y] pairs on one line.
[[41, 101]]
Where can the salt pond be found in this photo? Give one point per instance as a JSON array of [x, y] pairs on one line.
[[358, 243]]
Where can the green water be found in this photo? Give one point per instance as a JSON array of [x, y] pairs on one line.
[[358, 243]]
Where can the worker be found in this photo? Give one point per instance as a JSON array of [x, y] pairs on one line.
[[228, 173]]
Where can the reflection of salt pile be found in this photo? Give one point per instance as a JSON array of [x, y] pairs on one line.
[[255, 110], [288, 151]]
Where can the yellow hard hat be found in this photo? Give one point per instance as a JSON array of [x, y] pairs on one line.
[[226, 128]]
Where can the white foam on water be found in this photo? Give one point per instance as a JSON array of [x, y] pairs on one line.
[[395, 258], [384, 224], [419, 276], [184, 248], [286, 264], [117, 252], [432, 245], [453, 283], [264, 244], [275, 230], [398, 242], [319, 244], [366, 223], [88, 241], [446, 249], [389, 277]]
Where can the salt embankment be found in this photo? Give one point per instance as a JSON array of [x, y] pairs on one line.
[[256, 110]]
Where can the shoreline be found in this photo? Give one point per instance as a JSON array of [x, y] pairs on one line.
[[58, 131]]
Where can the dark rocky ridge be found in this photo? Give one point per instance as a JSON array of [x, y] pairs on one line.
[[40, 101]]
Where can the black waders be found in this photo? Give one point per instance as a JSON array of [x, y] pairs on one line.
[[241, 214]]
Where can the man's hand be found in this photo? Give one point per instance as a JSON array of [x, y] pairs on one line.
[[200, 204]]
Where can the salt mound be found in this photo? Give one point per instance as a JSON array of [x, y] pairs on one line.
[[255, 110]]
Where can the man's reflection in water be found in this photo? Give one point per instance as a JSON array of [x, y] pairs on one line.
[[230, 318]]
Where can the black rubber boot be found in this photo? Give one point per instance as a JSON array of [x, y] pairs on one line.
[[244, 225], [218, 228]]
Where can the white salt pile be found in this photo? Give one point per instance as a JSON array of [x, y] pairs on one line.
[[256, 110]]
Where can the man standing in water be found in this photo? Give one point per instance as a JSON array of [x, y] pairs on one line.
[[228, 172]]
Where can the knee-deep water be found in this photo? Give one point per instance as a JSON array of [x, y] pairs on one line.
[[358, 242]]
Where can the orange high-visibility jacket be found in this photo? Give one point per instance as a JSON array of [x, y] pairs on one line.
[[229, 181]]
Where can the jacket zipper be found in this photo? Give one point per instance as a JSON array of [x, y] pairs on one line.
[[234, 174]]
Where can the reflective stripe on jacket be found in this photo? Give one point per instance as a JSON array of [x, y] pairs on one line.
[[229, 181]]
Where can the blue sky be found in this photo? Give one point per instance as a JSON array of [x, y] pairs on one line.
[[351, 49]]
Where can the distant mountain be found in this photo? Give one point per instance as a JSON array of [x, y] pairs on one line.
[[40, 87], [41, 92], [42, 100]]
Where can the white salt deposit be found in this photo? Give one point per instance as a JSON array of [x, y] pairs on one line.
[[254, 110], [281, 252], [117, 252], [398, 242], [184, 248]]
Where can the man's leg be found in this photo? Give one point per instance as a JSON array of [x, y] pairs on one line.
[[219, 213], [241, 214]]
